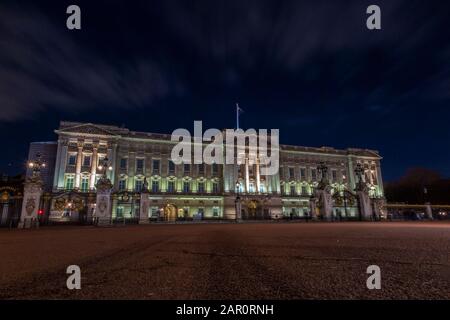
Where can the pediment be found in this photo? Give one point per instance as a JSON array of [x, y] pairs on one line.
[[87, 129]]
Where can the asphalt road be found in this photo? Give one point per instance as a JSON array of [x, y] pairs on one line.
[[229, 261]]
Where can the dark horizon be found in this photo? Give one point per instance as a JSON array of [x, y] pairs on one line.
[[311, 69]]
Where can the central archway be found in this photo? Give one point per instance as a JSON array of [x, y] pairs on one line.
[[170, 212]]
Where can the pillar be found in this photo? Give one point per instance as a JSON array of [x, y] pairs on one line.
[[258, 177], [94, 167], [4, 214], [247, 178], [144, 206], [30, 205], [428, 211], [103, 203], [365, 208], [78, 166]]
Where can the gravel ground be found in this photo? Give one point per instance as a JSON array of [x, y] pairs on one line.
[[228, 261]]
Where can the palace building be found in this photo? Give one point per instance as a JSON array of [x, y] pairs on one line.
[[140, 166]]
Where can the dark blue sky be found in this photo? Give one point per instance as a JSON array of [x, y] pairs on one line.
[[310, 68]]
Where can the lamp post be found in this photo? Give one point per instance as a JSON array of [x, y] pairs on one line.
[[36, 165], [104, 166]]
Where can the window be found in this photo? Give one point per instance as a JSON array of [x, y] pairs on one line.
[[139, 164], [119, 212], [201, 187], [291, 173], [304, 190], [123, 163], [155, 186], [154, 212], [216, 211], [215, 169], [292, 189], [251, 187], [171, 187], [69, 182], [215, 187], [201, 169], [314, 174], [122, 184], [171, 167], [186, 187], [155, 167], [72, 160], [138, 185], [334, 175], [84, 184], [302, 174], [87, 160], [187, 168]]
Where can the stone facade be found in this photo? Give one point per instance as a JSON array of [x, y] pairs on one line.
[[199, 191]]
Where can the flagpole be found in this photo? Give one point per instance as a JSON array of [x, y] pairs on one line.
[[237, 116]]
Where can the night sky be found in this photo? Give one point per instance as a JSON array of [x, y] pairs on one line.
[[310, 68]]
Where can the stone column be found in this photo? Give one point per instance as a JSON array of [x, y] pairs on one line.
[[59, 175], [326, 205], [94, 167], [365, 208], [103, 207], [144, 204], [57, 163], [30, 205], [258, 177], [247, 177], [4, 214], [78, 166], [238, 208], [312, 208], [379, 180], [428, 211]]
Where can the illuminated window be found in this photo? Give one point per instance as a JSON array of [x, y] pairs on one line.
[[84, 184], [304, 190], [138, 185], [69, 182], [292, 191], [122, 184], [186, 187], [171, 186], [155, 186]]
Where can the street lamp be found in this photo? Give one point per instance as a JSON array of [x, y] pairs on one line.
[[36, 165], [104, 166]]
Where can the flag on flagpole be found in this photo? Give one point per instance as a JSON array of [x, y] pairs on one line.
[[238, 110]]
